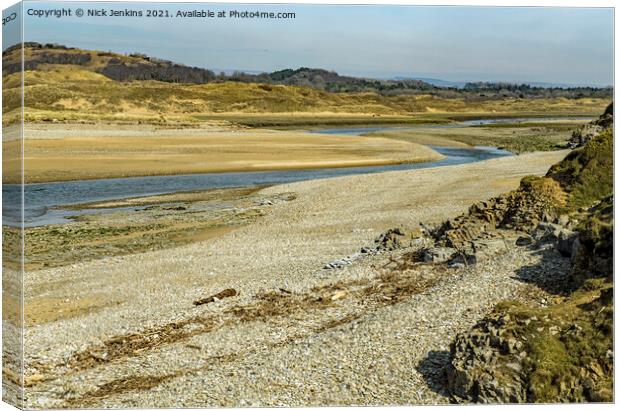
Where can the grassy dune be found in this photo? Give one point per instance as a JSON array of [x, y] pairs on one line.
[[76, 158], [71, 93]]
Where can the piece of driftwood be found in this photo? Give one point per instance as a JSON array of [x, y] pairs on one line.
[[229, 292]]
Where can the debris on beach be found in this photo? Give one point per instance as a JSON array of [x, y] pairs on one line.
[[229, 292]]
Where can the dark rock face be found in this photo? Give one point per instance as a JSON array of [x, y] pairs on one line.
[[545, 353], [592, 250], [535, 358], [486, 365]]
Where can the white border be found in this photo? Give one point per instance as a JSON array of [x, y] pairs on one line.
[[505, 3]]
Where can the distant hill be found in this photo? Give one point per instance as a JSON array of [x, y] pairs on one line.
[[140, 67], [332, 81], [533, 84], [436, 82]]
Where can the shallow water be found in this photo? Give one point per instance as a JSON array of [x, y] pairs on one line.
[[462, 124], [44, 200]]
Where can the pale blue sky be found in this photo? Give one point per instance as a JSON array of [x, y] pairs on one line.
[[560, 45]]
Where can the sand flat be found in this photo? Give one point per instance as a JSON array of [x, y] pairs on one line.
[[75, 157]]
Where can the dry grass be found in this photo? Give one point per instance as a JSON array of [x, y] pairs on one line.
[[75, 93], [391, 285]]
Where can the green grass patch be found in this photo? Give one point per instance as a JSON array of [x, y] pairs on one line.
[[587, 173]]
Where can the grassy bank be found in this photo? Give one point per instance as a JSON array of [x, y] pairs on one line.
[[514, 137]]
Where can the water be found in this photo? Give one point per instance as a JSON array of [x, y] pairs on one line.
[[462, 124], [44, 201]]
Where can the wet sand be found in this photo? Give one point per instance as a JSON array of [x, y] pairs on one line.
[[80, 152]]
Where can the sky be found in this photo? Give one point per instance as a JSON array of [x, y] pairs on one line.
[[558, 45]]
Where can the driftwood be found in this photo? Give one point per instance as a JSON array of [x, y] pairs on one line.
[[229, 292]]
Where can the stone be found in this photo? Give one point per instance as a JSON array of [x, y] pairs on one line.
[[563, 220], [392, 239], [546, 232], [438, 254], [565, 239], [524, 240], [514, 366]]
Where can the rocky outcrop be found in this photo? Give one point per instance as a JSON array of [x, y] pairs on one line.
[[530, 352], [486, 365], [392, 239], [491, 227], [592, 250], [519, 355], [581, 136]]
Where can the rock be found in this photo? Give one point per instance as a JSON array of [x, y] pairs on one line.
[[488, 247], [438, 254], [229, 292], [419, 242], [480, 359], [392, 239], [514, 366], [339, 295], [524, 240], [565, 241], [580, 137], [563, 220], [546, 232]]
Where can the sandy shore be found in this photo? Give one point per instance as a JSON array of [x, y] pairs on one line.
[[81, 152], [347, 351]]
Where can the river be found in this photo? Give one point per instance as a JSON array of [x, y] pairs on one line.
[[44, 201]]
